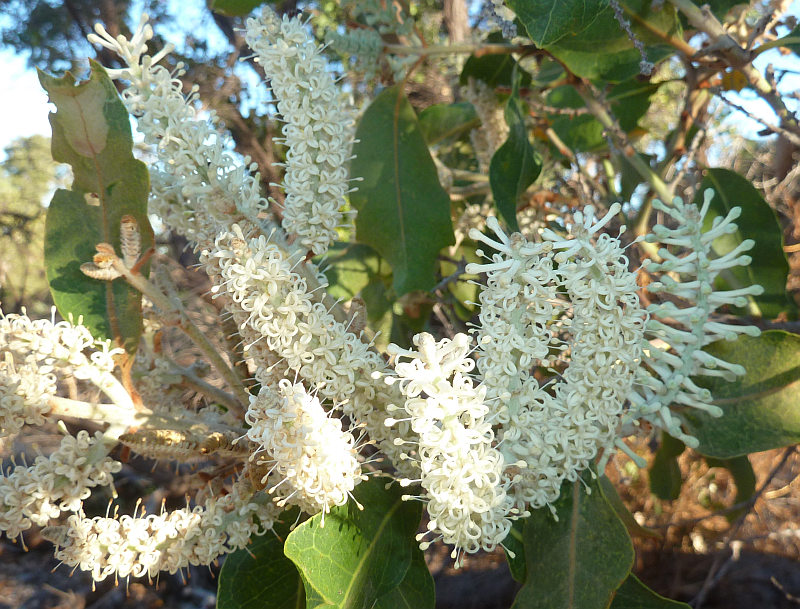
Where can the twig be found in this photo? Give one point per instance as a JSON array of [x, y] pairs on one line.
[[190, 379], [789, 135], [467, 48]]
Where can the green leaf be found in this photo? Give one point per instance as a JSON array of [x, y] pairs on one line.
[[515, 542], [416, 591], [791, 41], [260, 576], [234, 8], [665, 473], [629, 176], [548, 21], [403, 211], [91, 132], [355, 269], [761, 410], [604, 51], [623, 513], [516, 164], [360, 555], [445, 121], [496, 70], [743, 475], [549, 71], [758, 222], [633, 594], [578, 561]]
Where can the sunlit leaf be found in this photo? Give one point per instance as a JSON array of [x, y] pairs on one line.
[[91, 132], [359, 556]]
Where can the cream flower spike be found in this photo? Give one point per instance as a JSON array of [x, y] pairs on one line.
[[317, 131], [459, 469], [55, 484], [675, 354], [532, 310], [306, 448]]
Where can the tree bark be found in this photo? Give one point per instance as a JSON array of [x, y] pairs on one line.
[[456, 20]]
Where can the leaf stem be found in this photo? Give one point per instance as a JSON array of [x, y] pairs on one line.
[[465, 48]]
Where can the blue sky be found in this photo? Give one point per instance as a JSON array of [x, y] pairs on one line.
[[24, 107]]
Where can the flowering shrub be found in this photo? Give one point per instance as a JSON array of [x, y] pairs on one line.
[[583, 334]]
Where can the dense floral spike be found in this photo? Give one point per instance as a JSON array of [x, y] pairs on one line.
[[198, 184], [675, 353], [315, 460], [54, 484], [459, 468], [278, 319], [536, 313], [317, 131], [131, 546], [200, 192]]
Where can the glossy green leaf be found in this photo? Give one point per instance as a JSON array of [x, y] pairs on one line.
[[91, 132], [403, 211], [445, 121], [633, 594], [261, 576], [604, 51], [743, 475], [516, 164], [515, 543], [758, 222], [761, 410], [548, 21], [358, 556], [416, 591], [665, 473], [234, 8], [578, 561]]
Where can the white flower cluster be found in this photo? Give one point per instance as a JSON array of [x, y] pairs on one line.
[[131, 546], [34, 350], [486, 449], [277, 319], [313, 457], [317, 130], [675, 355], [459, 468], [25, 392], [198, 185], [543, 302], [54, 484]]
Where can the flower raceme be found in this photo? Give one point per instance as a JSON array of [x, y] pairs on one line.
[[561, 364]]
